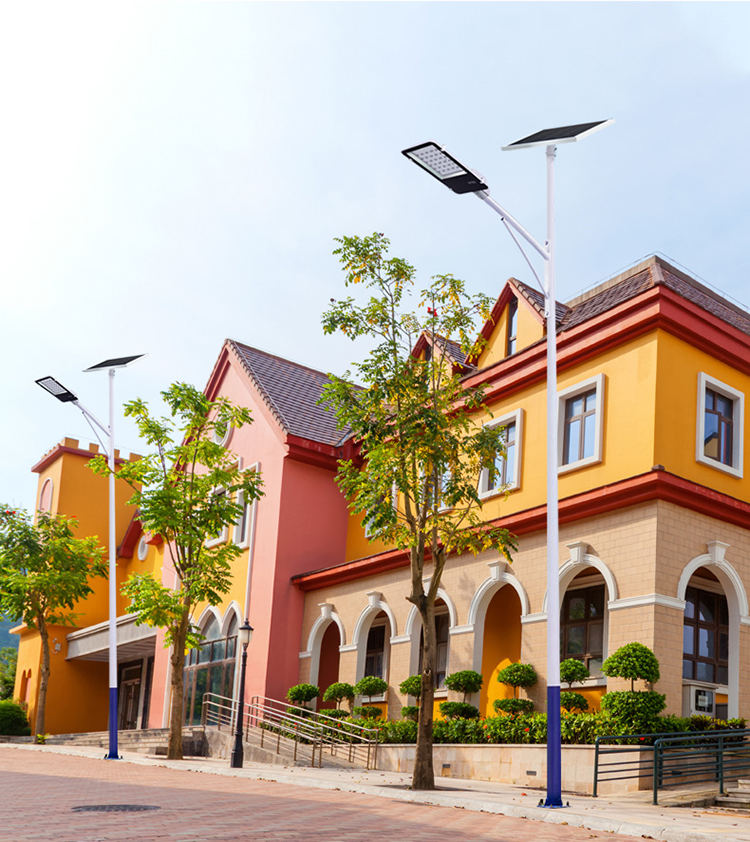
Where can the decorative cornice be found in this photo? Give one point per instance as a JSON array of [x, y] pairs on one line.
[[646, 599]]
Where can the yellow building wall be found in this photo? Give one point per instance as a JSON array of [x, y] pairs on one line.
[[529, 329], [679, 365]]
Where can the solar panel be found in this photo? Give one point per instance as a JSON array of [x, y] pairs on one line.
[[116, 362], [563, 134]]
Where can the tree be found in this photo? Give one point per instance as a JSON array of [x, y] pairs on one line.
[[515, 676], [415, 424], [8, 662], [44, 572], [189, 489], [337, 692], [634, 661]]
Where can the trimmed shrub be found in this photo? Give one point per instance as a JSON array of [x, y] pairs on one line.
[[410, 712], [337, 692], [465, 681], [367, 711], [411, 686], [573, 671], [458, 731], [397, 731], [635, 711], [13, 721], [513, 707], [301, 694], [370, 686], [458, 710], [517, 675], [335, 713], [573, 701], [634, 661]]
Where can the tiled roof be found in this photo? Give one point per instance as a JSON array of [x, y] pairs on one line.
[[291, 392], [535, 297], [453, 349], [610, 297]]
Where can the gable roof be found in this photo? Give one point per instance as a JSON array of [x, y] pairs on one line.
[[291, 391]]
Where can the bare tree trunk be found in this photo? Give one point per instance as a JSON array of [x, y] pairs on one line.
[[43, 680], [177, 659], [424, 774]]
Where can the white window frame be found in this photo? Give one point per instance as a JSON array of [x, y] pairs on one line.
[[705, 381], [371, 533], [516, 418], [563, 396], [249, 513], [143, 548]]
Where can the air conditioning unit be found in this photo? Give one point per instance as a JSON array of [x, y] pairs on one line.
[[698, 700]]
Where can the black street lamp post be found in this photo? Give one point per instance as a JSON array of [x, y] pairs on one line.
[[245, 635]]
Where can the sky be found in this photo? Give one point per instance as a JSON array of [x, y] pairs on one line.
[[173, 174]]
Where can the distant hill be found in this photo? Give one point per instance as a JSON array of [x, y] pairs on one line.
[[6, 638]]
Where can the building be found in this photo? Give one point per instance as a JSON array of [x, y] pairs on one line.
[[653, 368]]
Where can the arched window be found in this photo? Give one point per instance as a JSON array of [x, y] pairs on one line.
[[582, 623], [210, 668]]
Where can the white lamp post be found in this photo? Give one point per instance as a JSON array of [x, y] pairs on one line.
[[447, 169], [57, 390]]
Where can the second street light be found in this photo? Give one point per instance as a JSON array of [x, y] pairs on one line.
[[445, 168], [57, 390], [244, 635]]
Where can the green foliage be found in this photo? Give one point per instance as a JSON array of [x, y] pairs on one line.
[[458, 710], [337, 692], [573, 671], [188, 488], [8, 662], [410, 712], [397, 731], [13, 721], [634, 661], [301, 694], [44, 572], [335, 713], [634, 711], [461, 731], [573, 701], [411, 686], [367, 711], [370, 686], [514, 706], [465, 681], [517, 675]]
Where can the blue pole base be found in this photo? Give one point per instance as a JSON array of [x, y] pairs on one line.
[[554, 749], [113, 753]]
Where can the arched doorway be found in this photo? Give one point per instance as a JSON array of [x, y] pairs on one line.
[[501, 645], [328, 669]]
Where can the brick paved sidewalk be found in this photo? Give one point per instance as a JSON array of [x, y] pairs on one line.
[[40, 790]]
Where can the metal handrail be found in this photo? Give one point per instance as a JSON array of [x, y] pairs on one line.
[[676, 759], [306, 728]]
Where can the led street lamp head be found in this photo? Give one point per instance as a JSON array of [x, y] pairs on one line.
[[445, 168], [56, 389]]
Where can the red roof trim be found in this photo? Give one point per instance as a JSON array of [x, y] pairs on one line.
[[655, 485]]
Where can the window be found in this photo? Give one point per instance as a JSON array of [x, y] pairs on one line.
[[504, 472], [705, 641], [719, 427], [45, 496], [210, 669], [143, 548], [371, 531], [222, 535], [442, 626], [582, 627], [242, 524], [580, 424], [222, 433], [375, 656], [512, 327]]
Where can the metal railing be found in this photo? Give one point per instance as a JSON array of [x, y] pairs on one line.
[[670, 760], [276, 722]]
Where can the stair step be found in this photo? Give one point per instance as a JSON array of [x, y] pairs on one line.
[[733, 802]]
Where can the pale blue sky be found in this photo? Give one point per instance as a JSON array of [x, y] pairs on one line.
[[174, 173]]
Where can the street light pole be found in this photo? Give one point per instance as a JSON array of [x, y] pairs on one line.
[[447, 169], [64, 395], [245, 635]]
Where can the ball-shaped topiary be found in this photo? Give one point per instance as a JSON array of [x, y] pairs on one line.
[[573, 701], [634, 661], [465, 681], [517, 675], [459, 710], [411, 686], [573, 672], [301, 694], [513, 707], [337, 692], [410, 712], [370, 686], [368, 711]]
